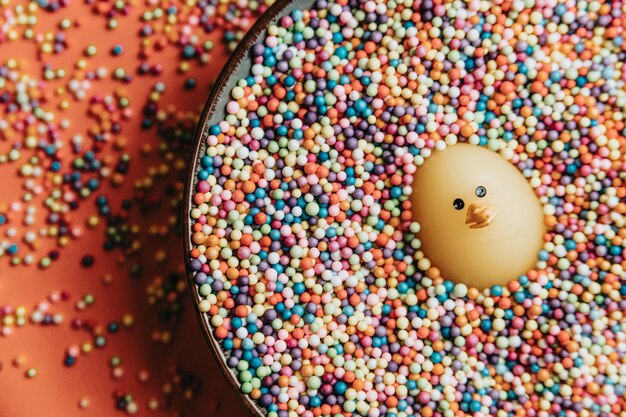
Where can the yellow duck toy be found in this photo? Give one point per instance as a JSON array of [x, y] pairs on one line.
[[481, 222]]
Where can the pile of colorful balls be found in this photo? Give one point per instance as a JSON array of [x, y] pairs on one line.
[[306, 259]]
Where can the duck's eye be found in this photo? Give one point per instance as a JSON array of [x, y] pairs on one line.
[[481, 191], [458, 204]]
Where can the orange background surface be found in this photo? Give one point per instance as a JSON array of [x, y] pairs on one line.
[[57, 389]]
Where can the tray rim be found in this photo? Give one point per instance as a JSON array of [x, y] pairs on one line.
[[237, 64]]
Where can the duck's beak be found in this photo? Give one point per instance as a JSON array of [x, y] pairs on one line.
[[480, 214]]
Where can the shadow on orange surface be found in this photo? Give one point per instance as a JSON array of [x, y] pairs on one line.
[[146, 276]]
